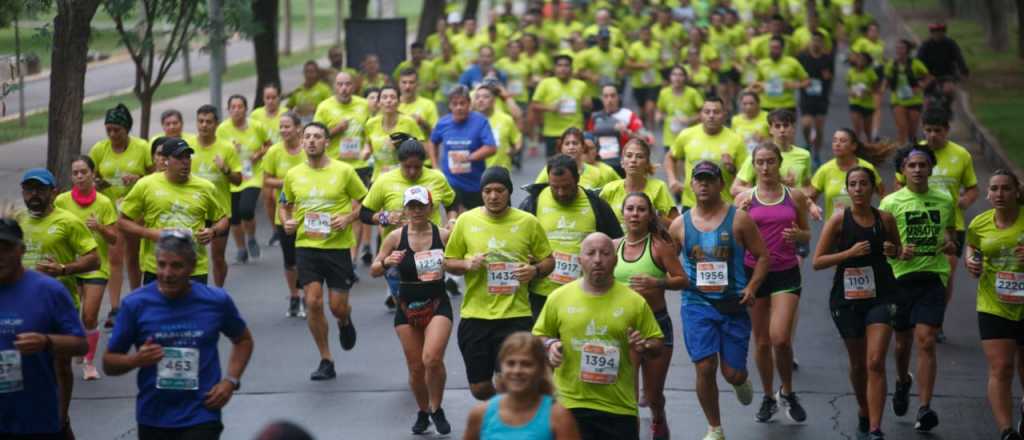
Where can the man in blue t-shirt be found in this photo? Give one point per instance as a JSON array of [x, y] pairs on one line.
[[482, 70], [464, 141], [174, 325], [38, 321]]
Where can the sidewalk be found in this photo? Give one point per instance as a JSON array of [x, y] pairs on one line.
[[31, 152]]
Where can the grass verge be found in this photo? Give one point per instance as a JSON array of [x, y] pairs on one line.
[[996, 84], [37, 124]]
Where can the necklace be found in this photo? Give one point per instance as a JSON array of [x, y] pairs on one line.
[[641, 240]]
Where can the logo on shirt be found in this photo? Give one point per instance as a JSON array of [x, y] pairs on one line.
[[594, 330]]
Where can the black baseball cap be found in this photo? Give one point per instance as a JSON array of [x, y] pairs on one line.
[[10, 231], [176, 147], [707, 168]]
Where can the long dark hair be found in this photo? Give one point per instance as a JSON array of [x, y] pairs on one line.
[[908, 68], [654, 226]]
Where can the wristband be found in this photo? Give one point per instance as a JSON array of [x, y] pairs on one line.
[[549, 343], [382, 218]]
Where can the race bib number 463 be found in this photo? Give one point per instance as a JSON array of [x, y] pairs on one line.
[[178, 370], [10, 372]]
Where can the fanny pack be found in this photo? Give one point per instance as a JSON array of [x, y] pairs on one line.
[[419, 313], [729, 305]]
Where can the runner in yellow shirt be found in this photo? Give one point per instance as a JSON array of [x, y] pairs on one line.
[[595, 329], [424, 68], [711, 141], [173, 124], [592, 176], [830, 179], [414, 105], [57, 244], [506, 132], [752, 122], [862, 85], [636, 161], [643, 61], [678, 105], [906, 77], [345, 116], [217, 161], [519, 72], [600, 65], [280, 158], [669, 34], [795, 163], [500, 249], [779, 77], [311, 93], [251, 141], [319, 204], [121, 160], [561, 100], [270, 116], [100, 216], [379, 130]]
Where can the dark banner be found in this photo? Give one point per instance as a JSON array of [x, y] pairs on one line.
[[383, 37]]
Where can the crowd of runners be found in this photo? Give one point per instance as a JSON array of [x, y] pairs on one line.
[[563, 323]]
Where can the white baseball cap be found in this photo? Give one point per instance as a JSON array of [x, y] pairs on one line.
[[417, 194]]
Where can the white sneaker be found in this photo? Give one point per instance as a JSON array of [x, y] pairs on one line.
[[715, 434], [744, 393]]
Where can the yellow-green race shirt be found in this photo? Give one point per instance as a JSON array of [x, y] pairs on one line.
[[388, 193], [999, 289], [318, 194], [566, 226], [204, 166], [276, 163], [106, 214], [567, 98], [615, 194], [60, 237], [694, 145], [246, 142], [111, 166], [385, 156], [347, 145]]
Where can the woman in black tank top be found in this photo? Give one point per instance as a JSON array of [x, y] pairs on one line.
[[857, 241], [414, 254]]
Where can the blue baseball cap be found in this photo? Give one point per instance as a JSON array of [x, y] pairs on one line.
[[41, 175]]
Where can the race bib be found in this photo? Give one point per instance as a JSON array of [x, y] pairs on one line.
[[1010, 287], [859, 283], [178, 370], [904, 92], [712, 276], [847, 9], [751, 141], [348, 148], [599, 363], [649, 76], [857, 90], [501, 278], [608, 147], [747, 15], [676, 124], [246, 169], [429, 264], [567, 106], [567, 268], [815, 88], [458, 162], [515, 86], [10, 372], [773, 87], [318, 224], [666, 54]]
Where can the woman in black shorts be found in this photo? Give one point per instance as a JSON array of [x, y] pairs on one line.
[[423, 319], [857, 241]]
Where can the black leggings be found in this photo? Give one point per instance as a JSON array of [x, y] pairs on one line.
[[243, 205], [202, 431]]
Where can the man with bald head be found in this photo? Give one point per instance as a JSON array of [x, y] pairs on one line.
[[590, 327], [345, 116]]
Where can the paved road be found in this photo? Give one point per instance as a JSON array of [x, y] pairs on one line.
[[107, 78], [369, 399]]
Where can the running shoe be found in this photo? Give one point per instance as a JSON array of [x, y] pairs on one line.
[[347, 334], [452, 287], [89, 372], [274, 239], [302, 309], [926, 419], [768, 409], [440, 422], [1010, 434], [794, 410], [863, 428], [389, 302], [293, 307], [876, 435], [744, 393], [324, 371], [254, 248], [659, 431], [367, 255], [901, 397], [715, 434], [422, 423], [241, 256], [108, 325]]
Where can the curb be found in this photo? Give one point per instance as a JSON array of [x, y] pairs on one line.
[[992, 151]]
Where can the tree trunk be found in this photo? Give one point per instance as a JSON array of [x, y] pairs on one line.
[[995, 20], [358, 9], [265, 45], [1020, 29], [145, 109], [287, 27], [472, 6], [67, 84], [431, 12]]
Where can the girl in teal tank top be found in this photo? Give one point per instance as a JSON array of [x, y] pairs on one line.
[[647, 263]]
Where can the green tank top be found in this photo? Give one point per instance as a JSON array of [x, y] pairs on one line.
[[643, 265]]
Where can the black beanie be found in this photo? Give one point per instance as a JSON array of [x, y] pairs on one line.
[[496, 175]]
